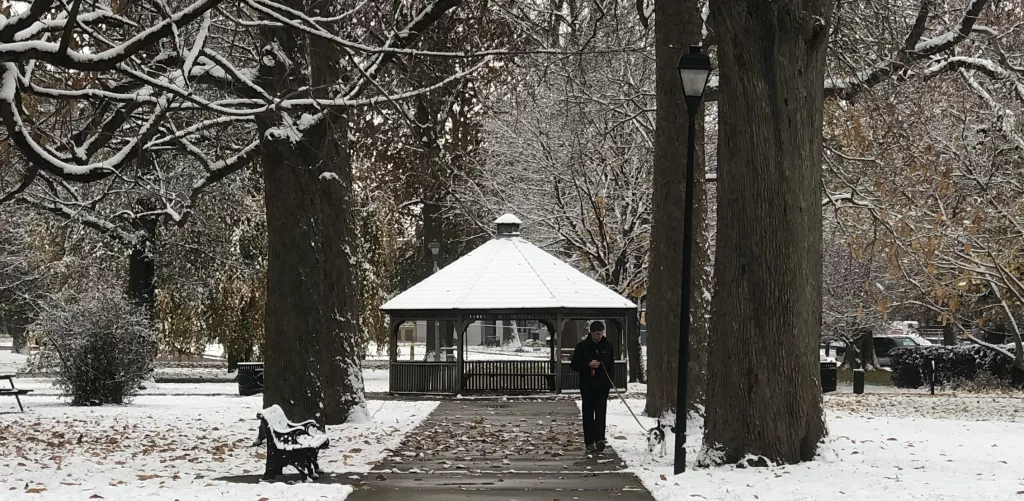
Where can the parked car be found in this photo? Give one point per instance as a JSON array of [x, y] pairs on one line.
[[884, 344]]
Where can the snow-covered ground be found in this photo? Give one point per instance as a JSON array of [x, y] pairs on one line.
[[375, 381], [10, 362], [902, 447], [169, 447]]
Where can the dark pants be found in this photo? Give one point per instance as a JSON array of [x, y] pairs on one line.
[[595, 407]]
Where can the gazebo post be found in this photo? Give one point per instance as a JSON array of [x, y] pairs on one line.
[[461, 326], [394, 325], [556, 347], [393, 339]]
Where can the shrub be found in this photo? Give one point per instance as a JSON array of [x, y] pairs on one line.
[[100, 346], [955, 366]]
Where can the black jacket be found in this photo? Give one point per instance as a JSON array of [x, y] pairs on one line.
[[603, 352]]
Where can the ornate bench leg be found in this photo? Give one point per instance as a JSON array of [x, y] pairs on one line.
[[275, 464], [316, 466]]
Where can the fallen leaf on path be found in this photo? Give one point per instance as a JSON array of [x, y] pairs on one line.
[[35, 490], [664, 478]]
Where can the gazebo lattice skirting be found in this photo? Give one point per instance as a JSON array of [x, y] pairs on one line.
[[506, 279]]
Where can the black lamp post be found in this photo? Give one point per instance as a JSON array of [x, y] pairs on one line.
[[694, 72], [432, 343], [434, 248]]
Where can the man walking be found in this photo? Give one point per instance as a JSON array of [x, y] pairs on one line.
[[594, 359]]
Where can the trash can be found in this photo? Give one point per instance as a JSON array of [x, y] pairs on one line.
[[250, 378], [828, 377]]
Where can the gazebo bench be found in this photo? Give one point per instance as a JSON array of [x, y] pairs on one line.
[[290, 444], [550, 376]]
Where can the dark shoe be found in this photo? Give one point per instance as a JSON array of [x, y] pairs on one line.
[[591, 448], [600, 446]]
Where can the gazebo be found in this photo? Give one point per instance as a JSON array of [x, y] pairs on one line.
[[505, 279]]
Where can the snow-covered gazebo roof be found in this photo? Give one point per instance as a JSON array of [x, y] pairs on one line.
[[507, 273]]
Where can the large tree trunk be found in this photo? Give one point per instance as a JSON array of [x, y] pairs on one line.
[[142, 268], [763, 394], [860, 351], [676, 26], [634, 352], [312, 367], [19, 336]]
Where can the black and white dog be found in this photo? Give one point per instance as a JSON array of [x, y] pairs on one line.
[[656, 437]]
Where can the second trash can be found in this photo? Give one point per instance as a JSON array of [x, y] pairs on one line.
[[250, 378], [828, 377], [858, 381]]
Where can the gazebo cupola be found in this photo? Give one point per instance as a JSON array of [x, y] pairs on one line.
[[508, 226]]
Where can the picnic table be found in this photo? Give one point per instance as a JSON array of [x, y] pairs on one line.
[[13, 390]]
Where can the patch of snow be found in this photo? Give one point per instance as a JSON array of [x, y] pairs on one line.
[[329, 176], [891, 446], [931, 43], [11, 362], [166, 447], [508, 219]]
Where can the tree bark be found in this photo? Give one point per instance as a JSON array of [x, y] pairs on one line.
[[860, 352], [142, 268], [637, 374], [676, 26], [312, 367], [763, 394], [19, 336]]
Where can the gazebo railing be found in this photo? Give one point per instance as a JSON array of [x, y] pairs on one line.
[[571, 378], [516, 376], [489, 376], [423, 377]]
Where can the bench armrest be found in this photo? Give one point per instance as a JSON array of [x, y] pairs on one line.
[[290, 429], [304, 424]]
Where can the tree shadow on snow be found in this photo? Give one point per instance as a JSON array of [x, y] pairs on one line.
[[294, 478]]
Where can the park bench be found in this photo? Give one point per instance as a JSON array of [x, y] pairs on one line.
[[290, 444], [12, 391]]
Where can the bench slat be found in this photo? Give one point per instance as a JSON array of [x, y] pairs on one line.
[[8, 391]]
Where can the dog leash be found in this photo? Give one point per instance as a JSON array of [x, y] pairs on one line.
[[617, 392]]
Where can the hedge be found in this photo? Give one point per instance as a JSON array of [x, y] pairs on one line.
[[953, 365]]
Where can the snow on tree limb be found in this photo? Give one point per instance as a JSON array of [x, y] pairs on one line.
[[42, 157], [11, 51]]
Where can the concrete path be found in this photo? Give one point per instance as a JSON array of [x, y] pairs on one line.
[[494, 450]]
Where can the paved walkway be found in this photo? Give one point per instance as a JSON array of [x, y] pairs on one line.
[[494, 450]]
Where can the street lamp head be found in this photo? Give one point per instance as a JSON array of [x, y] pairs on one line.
[[434, 247], [694, 72]]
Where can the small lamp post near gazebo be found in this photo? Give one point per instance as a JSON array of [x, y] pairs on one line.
[[506, 278]]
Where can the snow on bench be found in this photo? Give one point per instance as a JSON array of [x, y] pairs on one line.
[[290, 444]]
